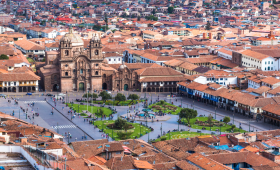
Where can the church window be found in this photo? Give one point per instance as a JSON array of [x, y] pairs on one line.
[[88, 70], [95, 45], [55, 77], [96, 65], [96, 52], [119, 59], [81, 71], [74, 71], [66, 65], [65, 45], [133, 84], [109, 59], [96, 73], [66, 73], [117, 84], [66, 52], [104, 75]]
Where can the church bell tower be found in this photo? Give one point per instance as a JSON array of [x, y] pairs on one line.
[[95, 48]]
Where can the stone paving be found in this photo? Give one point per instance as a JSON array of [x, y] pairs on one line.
[[79, 126]]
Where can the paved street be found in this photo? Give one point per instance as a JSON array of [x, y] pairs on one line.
[[61, 121]]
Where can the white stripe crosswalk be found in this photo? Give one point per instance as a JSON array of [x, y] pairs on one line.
[[64, 127], [34, 101]]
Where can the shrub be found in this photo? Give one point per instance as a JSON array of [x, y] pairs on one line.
[[124, 135], [163, 138]]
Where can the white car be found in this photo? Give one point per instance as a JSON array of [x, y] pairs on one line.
[[61, 94]]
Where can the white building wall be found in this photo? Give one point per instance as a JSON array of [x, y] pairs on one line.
[[269, 64]]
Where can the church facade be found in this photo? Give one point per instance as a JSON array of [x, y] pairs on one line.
[[73, 68]]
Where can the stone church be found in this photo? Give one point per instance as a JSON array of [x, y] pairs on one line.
[[73, 68], [76, 67]]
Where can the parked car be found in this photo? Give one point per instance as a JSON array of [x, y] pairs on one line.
[[81, 103], [61, 94], [230, 124], [2, 95], [49, 94], [29, 93]]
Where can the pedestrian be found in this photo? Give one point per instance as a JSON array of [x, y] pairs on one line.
[[84, 120], [82, 137]]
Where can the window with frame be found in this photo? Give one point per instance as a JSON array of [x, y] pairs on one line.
[[66, 73], [81, 71]]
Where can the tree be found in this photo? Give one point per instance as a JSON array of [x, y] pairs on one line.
[[226, 119], [138, 18], [96, 27], [209, 119], [154, 11], [120, 123], [162, 102], [133, 97], [105, 96], [170, 9], [4, 57], [87, 95], [208, 26], [74, 5], [187, 114], [106, 19], [125, 127], [94, 96], [120, 97], [114, 30], [233, 127]]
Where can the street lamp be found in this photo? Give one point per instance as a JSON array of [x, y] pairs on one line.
[[233, 119], [193, 104], [215, 112], [57, 87], [127, 115], [161, 129]]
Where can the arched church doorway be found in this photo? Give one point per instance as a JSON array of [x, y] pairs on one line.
[[55, 87], [81, 86], [104, 86], [125, 87]]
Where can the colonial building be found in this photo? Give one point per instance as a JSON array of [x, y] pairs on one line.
[[73, 68]]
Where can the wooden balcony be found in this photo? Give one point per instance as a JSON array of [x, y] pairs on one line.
[[21, 85]]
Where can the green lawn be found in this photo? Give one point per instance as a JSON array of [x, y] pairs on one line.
[[110, 102], [92, 109], [136, 129], [178, 135], [224, 128], [30, 60], [166, 110]]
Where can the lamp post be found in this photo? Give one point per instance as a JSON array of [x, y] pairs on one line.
[[65, 162], [140, 130], [249, 126], [215, 112], [19, 113], [178, 125], [161, 129], [181, 102], [57, 87], [127, 115], [112, 133], [233, 119], [220, 129], [193, 104], [169, 134]]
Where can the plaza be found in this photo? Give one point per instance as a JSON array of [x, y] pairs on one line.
[[62, 122]]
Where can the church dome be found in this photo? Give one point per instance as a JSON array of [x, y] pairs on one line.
[[74, 38], [122, 66]]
